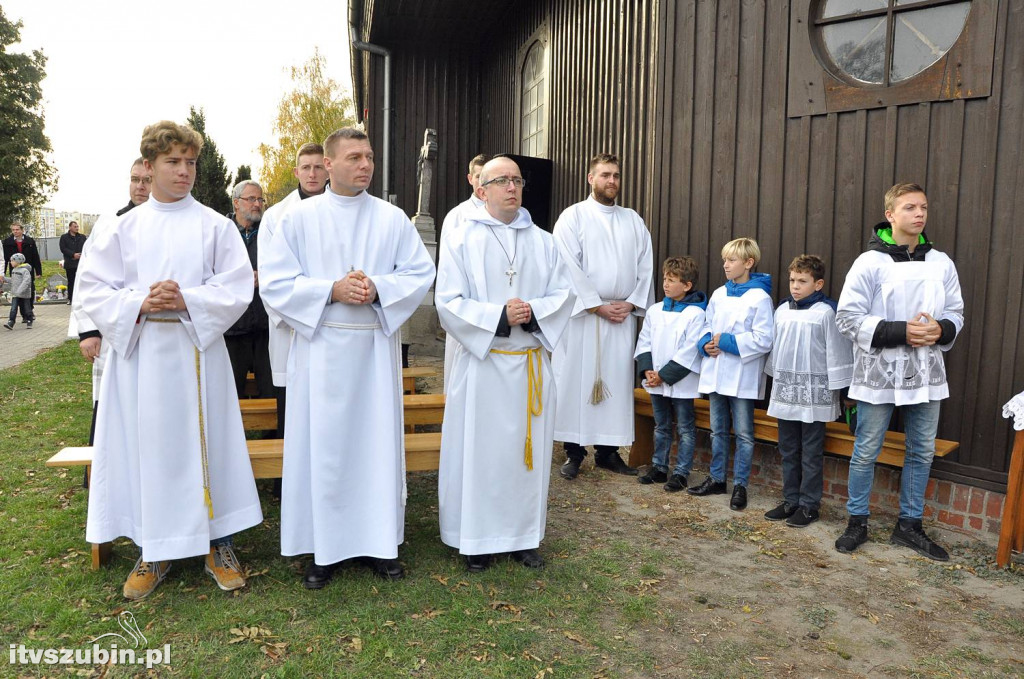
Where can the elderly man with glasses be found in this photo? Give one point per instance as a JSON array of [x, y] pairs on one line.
[[248, 339], [503, 293]]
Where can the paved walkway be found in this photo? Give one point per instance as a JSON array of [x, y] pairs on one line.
[[21, 344]]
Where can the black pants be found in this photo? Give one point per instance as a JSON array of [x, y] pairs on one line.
[[251, 351], [575, 451], [801, 445], [72, 274]]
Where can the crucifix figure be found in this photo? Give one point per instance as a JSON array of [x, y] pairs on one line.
[[510, 272]]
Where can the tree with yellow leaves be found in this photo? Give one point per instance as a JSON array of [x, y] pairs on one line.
[[315, 108]]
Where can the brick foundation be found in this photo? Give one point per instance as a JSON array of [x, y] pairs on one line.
[[957, 507]]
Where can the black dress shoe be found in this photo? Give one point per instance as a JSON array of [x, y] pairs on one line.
[[388, 569], [570, 470], [317, 577], [653, 475], [478, 563], [739, 498], [708, 487], [614, 463], [528, 557]]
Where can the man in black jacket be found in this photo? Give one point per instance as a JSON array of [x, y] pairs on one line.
[[71, 245], [248, 338], [19, 242]]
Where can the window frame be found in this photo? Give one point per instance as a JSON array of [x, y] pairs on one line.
[[542, 36], [963, 72]]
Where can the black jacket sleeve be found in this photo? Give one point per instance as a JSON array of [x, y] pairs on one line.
[[890, 334]]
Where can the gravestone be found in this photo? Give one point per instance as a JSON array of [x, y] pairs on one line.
[[422, 328]]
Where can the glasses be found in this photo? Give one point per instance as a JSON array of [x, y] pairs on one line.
[[141, 180], [502, 182], [252, 200]]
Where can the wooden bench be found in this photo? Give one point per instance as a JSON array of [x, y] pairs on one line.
[[422, 450], [838, 439], [409, 376], [260, 414]]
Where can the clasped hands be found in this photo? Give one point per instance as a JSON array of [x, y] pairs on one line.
[[355, 288], [653, 379], [711, 348], [518, 312], [163, 296], [614, 312], [923, 331]]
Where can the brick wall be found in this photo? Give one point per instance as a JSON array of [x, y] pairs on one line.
[[973, 512]]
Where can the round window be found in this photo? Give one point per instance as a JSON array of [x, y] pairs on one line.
[[882, 42]]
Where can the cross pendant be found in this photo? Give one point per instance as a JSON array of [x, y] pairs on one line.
[[510, 272]]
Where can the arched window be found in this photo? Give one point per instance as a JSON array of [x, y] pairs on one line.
[[533, 116]]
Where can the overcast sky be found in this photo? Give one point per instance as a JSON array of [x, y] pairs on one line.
[[115, 66]]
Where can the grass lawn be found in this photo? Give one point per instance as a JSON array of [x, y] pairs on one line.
[[572, 618]]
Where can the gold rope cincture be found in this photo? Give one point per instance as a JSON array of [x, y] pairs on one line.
[[599, 392], [534, 394], [202, 421], [202, 439]]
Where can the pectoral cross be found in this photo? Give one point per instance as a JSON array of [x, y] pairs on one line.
[[510, 272]]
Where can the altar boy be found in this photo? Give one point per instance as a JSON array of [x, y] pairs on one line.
[[810, 363], [738, 334]]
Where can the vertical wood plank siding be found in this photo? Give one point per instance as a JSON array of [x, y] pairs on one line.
[[692, 95]]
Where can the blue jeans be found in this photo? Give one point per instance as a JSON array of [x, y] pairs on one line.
[[921, 422], [682, 408], [742, 415], [228, 540]]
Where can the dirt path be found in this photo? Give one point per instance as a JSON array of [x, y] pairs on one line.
[[734, 595]]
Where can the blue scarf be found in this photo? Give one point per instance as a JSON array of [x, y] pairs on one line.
[[757, 280], [693, 299], [809, 301]]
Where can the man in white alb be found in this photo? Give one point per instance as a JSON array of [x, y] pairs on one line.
[[345, 270], [607, 249], [455, 217], [171, 468], [503, 293]]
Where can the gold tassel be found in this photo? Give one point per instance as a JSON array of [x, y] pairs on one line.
[[534, 394], [209, 501], [204, 458], [599, 392]]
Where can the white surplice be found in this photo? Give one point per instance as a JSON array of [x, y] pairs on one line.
[[749, 319], [672, 336], [452, 221], [878, 289], [607, 250], [167, 383], [489, 501], [280, 333], [810, 362], [343, 488]]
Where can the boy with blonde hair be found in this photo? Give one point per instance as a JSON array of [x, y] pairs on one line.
[[171, 468], [810, 362], [738, 333], [902, 308], [668, 364]]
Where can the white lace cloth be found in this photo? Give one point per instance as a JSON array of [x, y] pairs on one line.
[[1015, 409]]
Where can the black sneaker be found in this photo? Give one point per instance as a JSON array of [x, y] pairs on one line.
[[802, 518], [909, 533], [570, 470], [708, 487], [855, 535], [653, 475], [675, 483], [780, 513], [739, 498], [29, 325]]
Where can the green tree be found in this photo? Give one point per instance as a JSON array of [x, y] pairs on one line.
[[242, 173], [315, 108], [212, 177], [26, 178]]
